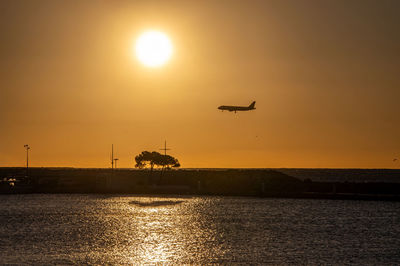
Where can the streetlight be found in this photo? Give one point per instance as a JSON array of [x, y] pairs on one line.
[[26, 146]]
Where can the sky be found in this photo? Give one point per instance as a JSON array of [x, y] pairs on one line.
[[325, 76]]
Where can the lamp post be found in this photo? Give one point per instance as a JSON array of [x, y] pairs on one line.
[[26, 146], [115, 162]]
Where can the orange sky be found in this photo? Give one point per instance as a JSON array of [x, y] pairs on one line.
[[325, 75]]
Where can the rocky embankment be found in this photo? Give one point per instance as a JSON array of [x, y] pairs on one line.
[[227, 182]]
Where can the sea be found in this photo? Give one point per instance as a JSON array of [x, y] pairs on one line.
[[93, 229]]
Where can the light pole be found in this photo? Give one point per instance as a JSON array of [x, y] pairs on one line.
[[115, 162], [26, 146]]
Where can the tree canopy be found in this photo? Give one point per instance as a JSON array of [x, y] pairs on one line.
[[152, 159]]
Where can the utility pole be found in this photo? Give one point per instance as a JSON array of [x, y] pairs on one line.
[[165, 148], [26, 146], [165, 154], [112, 156]]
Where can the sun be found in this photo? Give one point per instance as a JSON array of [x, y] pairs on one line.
[[153, 48]]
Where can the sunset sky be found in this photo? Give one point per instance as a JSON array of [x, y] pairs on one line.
[[325, 75]]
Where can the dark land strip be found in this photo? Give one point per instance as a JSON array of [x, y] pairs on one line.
[[221, 182]]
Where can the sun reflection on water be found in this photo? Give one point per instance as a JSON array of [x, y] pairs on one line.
[[160, 230]]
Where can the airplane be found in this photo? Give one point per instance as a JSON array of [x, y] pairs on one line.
[[237, 108]]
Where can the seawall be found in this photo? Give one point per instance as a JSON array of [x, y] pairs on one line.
[[224, 182]]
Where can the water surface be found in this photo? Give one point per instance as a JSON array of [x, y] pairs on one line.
[[100, 229]]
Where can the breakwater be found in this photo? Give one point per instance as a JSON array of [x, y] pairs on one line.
[[224, 182]]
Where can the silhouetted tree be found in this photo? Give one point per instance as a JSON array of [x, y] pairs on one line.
[[154, 158], [144, 159], [167, 161]]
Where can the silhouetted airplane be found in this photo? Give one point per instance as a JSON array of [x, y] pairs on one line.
[[237, 108]]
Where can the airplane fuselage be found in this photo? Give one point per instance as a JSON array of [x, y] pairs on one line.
[[232, 108]]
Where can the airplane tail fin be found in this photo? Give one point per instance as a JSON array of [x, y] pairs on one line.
[[252, 105]]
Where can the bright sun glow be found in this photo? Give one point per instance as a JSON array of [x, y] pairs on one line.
[[153, 48]]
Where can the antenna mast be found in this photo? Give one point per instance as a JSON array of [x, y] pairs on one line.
[[165, 148], [112, 156]]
